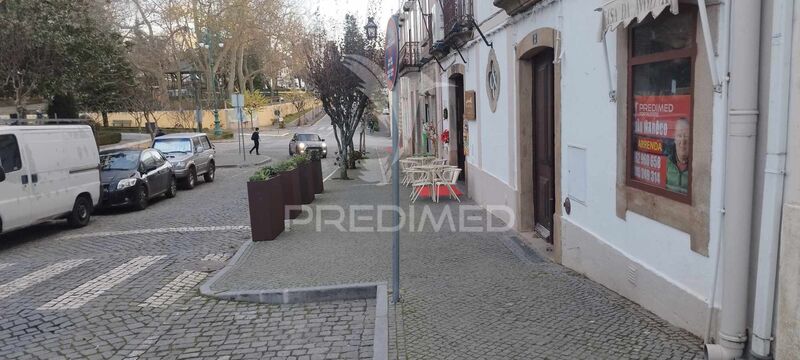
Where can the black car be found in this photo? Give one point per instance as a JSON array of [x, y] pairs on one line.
[[133, 177]]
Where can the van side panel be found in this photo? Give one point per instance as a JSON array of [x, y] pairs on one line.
[[15, 196], [64, 164]]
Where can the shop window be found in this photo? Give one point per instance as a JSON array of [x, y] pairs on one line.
[[661, 61]]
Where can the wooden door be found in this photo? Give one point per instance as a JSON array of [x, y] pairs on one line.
[[543, 144], [459, 117]]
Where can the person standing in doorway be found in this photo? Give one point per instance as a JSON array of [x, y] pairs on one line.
[[255, 137]]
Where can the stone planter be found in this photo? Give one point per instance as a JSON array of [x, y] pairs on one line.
[[291, 192], [316, 176], [265, 199], [306, 184]]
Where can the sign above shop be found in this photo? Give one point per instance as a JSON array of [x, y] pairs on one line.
[[469, 105], [493, 80]]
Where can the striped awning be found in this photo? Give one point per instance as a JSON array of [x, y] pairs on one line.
[[623, 12]]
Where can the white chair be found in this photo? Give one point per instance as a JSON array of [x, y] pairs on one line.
[[420, 184], [440, 162], [448, 178], [405, 166]]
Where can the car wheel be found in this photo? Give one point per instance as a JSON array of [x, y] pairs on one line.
[[172, 190], [141, 201], [211, 173], [191, 179], [81, 213]]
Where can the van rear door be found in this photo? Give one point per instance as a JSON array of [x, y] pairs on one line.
[[16, 191]]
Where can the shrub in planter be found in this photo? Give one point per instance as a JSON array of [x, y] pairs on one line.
[[290, 178], [265, 199], [306, 181]]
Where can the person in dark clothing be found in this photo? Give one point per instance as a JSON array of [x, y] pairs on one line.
[[255, 137], [160, 132]]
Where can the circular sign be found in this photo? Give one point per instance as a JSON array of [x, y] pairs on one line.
[[493, 80], [392, 52]]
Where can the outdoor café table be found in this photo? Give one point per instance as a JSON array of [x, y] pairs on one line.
[[432, 173]]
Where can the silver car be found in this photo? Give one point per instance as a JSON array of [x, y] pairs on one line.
[[191, 155], [305, 143]]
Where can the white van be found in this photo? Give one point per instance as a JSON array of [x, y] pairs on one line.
[[48, 172]]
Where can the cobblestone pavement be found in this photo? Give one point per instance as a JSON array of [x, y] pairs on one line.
[[125, 287], [466, 295]]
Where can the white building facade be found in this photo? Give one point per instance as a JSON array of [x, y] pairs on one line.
[[635, 146]]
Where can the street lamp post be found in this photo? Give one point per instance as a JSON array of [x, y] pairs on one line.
[[208, 45]]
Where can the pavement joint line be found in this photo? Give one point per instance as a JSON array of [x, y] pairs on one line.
[[329, 176], [157, 231], [233, 166]]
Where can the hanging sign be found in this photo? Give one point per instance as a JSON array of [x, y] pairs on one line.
[[392, 52], [469, 105]]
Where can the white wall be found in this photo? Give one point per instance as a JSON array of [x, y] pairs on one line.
[[589, 121]]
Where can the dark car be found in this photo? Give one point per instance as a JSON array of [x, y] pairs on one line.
[[133, 177]]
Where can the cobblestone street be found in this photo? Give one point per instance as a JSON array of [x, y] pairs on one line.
[[125, 287]]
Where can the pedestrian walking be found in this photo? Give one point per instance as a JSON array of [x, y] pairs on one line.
[[255, 137]]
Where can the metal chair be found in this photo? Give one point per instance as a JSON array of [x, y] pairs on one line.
[[449, 178]]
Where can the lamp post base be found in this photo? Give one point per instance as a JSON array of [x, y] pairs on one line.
[[217, 127]]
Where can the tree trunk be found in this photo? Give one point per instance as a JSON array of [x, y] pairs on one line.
[[240, 68], [232, 74], [105, 118]]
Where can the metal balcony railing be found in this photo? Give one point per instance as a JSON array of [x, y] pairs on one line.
[[456, 14], [409, 57]]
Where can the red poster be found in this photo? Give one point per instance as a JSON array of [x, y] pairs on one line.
[[661, 141]]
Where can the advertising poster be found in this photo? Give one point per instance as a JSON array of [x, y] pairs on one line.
[[662, 142]]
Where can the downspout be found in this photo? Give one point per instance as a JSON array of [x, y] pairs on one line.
[[774, 177], [739, 180]]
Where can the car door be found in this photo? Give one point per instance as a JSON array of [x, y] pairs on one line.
[[162, 170], [16, 190], [150, 173], [210, 151], [200, 160]]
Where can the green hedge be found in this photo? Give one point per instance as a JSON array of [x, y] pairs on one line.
[[108, 138]]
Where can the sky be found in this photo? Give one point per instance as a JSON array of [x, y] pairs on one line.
[[333, 11]]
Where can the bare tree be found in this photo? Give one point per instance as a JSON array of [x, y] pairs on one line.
[[340, 90]]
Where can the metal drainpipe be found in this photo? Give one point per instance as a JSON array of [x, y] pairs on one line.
[[739, 178], [774, 176]]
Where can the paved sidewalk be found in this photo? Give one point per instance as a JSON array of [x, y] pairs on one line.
[[229, 155], [466, 295]]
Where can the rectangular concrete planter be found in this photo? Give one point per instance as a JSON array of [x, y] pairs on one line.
[[265, 199], [316, 176], [291, 192], [306, 184]]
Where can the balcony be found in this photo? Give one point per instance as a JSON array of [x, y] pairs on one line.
[[409, 58], [458, 22], [513, 7]]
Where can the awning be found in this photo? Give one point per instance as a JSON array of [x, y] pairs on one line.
[[623, 12]]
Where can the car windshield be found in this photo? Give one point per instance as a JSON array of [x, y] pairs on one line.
[[167, 146], [128, 160], [307, 137]]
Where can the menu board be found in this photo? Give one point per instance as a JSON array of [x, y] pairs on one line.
[[662, 142]]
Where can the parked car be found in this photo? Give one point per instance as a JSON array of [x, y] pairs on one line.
[[132, 177], [304, 143], [191, 155], [47, 172]]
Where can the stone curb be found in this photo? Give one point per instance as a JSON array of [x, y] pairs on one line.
[[377, 291], [245, 165]]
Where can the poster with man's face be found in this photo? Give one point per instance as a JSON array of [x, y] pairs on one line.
[[662, 142]]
